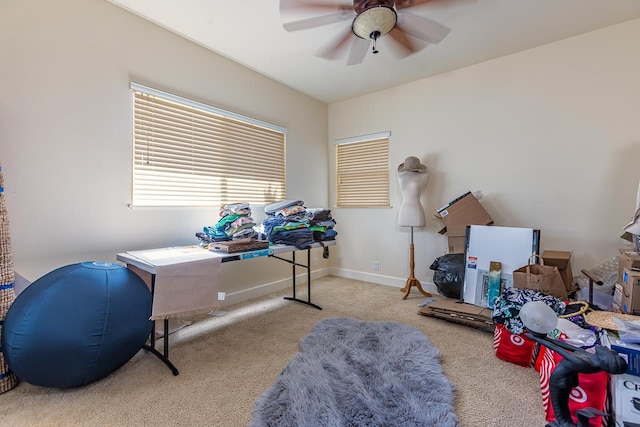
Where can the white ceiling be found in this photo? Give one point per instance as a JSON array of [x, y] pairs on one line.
[[250, 32]]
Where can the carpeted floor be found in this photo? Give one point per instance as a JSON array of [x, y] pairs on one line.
[[226, 362]]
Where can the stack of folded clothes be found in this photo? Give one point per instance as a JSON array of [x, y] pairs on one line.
[[321, 224], [288, 222], [235, 223]]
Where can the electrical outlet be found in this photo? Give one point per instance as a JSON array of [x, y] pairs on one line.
[[376, 266], [315, 262], [221, 296], [339, 260]]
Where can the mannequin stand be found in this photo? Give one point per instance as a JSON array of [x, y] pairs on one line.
[[412, 281]]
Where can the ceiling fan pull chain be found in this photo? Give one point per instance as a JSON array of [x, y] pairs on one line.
[[374, 35]]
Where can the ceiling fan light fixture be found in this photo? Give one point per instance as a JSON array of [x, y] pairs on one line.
[[378, 19]]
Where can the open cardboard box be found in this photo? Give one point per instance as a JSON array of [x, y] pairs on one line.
[[456, 238], [456, 215], [562, 260], [628, 259]]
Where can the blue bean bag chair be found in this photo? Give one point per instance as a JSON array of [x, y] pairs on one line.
[[76, 324]]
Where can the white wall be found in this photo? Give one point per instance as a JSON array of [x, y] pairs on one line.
[[550, 136], [65, 133]]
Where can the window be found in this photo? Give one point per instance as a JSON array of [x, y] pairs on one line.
[[190, 154], [362, 169]]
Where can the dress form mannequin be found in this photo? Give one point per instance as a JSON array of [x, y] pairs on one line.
[[412, 176], [411, 212]]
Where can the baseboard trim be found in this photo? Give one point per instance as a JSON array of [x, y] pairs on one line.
[[379, 279], [264, 289]]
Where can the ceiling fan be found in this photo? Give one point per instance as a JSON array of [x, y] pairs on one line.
[[371, 19]]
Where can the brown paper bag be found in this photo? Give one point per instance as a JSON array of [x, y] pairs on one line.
[[541, 278]]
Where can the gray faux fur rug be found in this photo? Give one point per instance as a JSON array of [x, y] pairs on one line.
[[354, 373]]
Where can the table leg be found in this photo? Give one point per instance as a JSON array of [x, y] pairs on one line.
[[293, 268], [152, 339]]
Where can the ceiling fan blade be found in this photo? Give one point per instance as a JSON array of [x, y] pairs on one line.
[[403, 4], [422, 28], [316, 21], [405, 44], [334, 49], [286, 5], [358, 50]]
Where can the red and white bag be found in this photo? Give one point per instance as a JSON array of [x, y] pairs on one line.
[[517, 349], [591, 391]]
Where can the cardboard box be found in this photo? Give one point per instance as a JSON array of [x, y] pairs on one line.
[[240, 245], [460, 312], [464, 210], [562, 260], [456, 215], [456, 238], [625, 393], [617, 296], [624, 388], [629, 352], [628, 259], [630, 291]]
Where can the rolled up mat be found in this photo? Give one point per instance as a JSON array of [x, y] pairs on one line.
[[8, 379]]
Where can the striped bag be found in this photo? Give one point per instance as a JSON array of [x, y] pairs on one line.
[[591, 391], [514, 348]]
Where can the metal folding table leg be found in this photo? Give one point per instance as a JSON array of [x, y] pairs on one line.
[[152, 339], [293, 263]]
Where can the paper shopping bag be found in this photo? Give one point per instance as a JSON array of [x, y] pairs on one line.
[[541, 278]]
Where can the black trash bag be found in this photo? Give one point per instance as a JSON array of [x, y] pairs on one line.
[[449, 275]]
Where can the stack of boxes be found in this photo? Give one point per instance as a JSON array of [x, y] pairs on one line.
[[456, 215], [625, 388], [626, 297], [466, 210]]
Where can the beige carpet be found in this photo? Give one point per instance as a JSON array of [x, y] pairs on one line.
[[226, 362]]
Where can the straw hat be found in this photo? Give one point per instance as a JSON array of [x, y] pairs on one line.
[[412, 164], [604, 319]]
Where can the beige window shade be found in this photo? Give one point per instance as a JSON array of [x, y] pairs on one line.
[[363, 172], [191, 154]]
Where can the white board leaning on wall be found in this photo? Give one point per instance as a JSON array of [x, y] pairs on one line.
[[511, 246]]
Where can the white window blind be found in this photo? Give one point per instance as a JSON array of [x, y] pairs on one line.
[[190, 154], [362, 166]]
